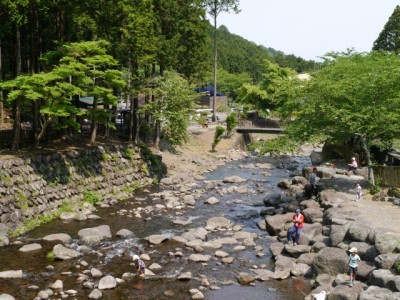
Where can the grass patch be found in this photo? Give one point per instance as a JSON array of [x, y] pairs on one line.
[[91, 197]]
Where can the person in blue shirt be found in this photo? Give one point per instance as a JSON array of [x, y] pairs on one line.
[[354, 260]]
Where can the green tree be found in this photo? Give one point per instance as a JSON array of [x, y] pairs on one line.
[[215, 7], [53, 91], [389, 38], [272, 91], [354, 97], [174, 99], [100, 80]]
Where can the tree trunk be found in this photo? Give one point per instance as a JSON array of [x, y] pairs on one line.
[[39, 135], [157, 131], [135, 120], [17, 103], [367, 154], [94, 122], [214, 116], [35, 125]]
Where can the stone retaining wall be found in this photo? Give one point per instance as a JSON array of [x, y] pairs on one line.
[[33, 186]]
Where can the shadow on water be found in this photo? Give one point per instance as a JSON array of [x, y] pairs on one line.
[[113, 256]]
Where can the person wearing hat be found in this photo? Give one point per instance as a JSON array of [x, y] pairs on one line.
[[354, 260], [295, 230], [353, 165], [139, 264]]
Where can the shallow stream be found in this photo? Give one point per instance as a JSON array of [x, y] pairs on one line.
[[112, 256]]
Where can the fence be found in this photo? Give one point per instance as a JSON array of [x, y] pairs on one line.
[[388, 175]]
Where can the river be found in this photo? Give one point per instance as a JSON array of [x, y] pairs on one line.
[[113, 256]]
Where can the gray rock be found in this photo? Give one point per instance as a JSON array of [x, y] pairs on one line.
[[189, 200], [156, 239], [185, 276], [6, 297], [375, 293], [330, 261], [380, 277], [95, 272], [324, 279], [312, 214], [233, 179], [4, 241], [276, 248], [30, 247], [359, 231], [199, 257], [275, 224], [11, 274], [386, 240], [338, 233], [386, 261], [107, 282], [211, 201], [62, 237], [95, 294], [306, 258], [124, 233], [61, 252], [299, 270], [216, 223], [245, 279]]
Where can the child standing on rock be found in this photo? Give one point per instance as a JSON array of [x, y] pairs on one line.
[[354, 260], [139, 264], [358, 191]]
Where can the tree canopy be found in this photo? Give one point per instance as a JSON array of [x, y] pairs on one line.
[[355, 96], [389, 38]]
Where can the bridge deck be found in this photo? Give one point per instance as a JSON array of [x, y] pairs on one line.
[[271, 130]]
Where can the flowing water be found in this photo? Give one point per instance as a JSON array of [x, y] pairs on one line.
[[112, 256]]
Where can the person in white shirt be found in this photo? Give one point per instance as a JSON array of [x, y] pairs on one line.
[[354, 260], [353, 165], [358, 191]]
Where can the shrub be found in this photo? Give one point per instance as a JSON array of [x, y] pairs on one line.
[[91, 197], [219, 130], [231, 122]]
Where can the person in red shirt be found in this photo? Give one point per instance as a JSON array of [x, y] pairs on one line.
[[295, 230]]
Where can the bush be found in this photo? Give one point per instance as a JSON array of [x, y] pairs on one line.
[[219, 131], [231, 122], [91, 197]]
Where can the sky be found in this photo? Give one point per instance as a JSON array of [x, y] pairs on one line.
[[310, 28]]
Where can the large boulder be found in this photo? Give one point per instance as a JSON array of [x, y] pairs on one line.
[[330, 198], [338, 233], [386, 261], [343, 292], [272, 199], [380, 277], [375, 293], [311, 231], [359, 231], [275, 224], [312, 215], [386, 240], [330, 261]]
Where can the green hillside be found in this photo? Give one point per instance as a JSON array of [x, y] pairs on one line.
[[238, 55]]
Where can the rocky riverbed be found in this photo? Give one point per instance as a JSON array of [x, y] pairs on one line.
[[212, 236]]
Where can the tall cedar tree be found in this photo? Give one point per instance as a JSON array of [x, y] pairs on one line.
[[389, 38]]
